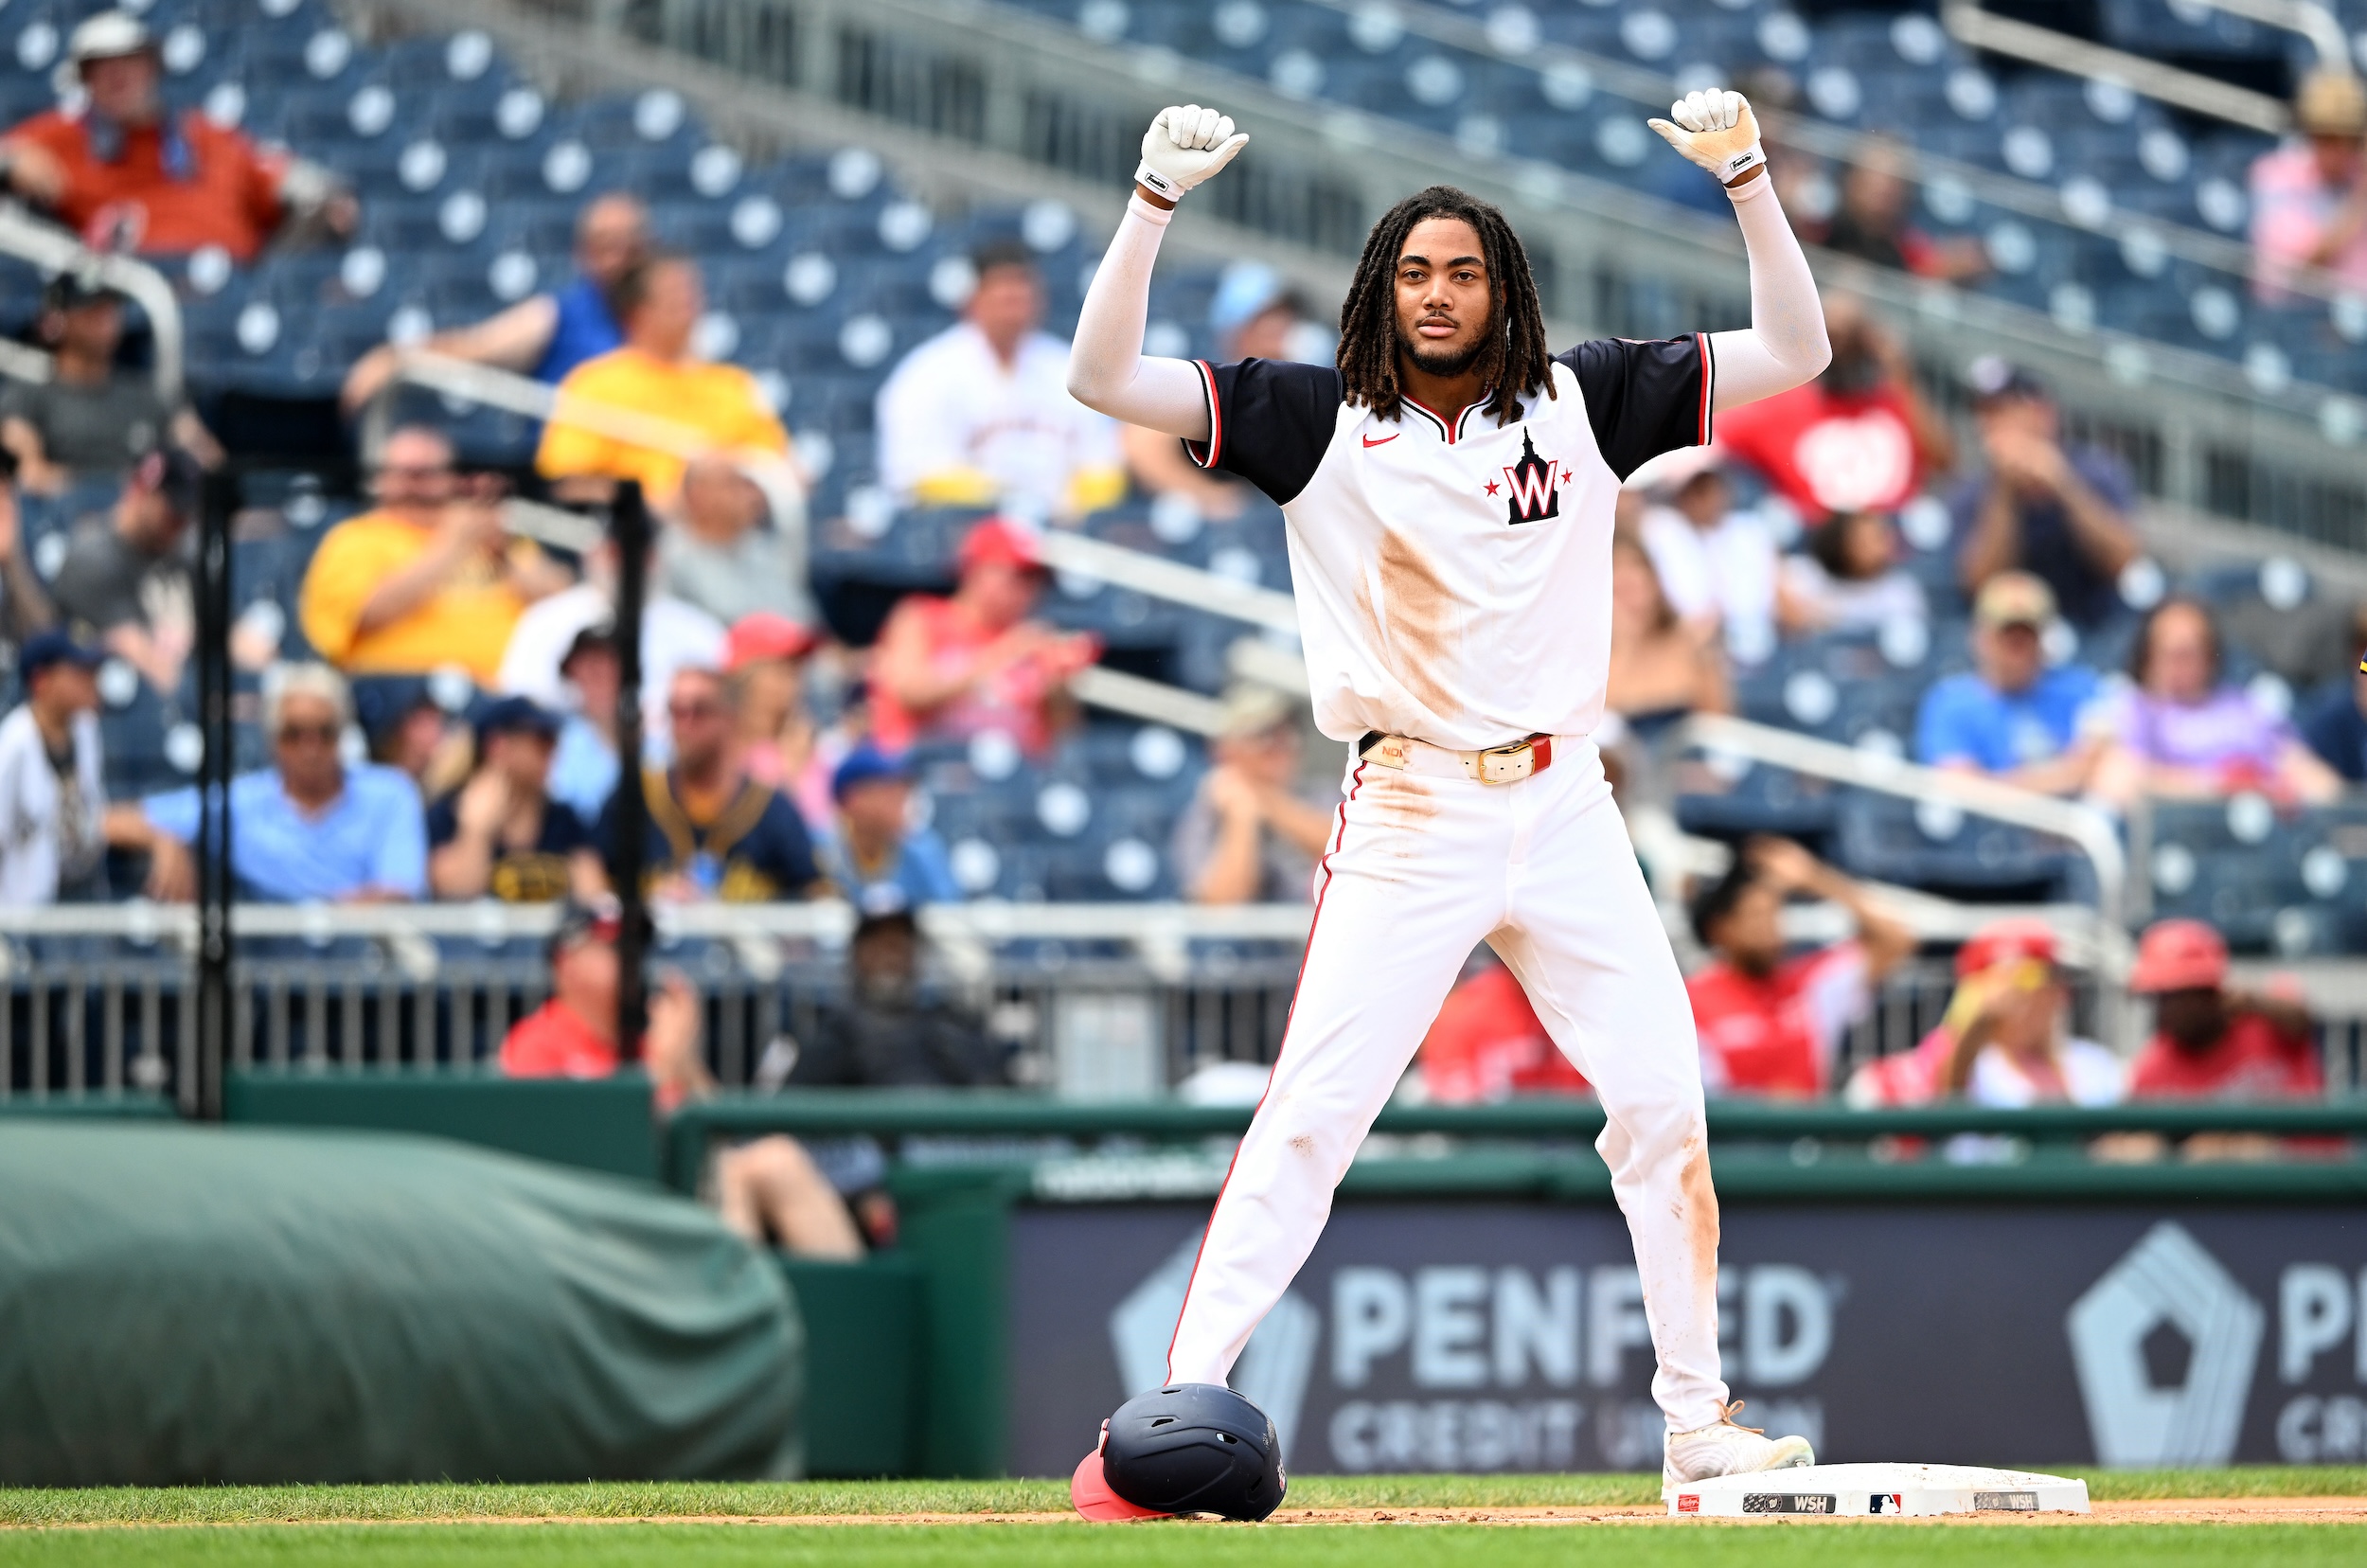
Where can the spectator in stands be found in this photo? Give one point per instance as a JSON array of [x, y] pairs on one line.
[[547, 335], [1872, 221], [24, 607], [721, 554], [405, 726], [2060, 512], [1850, 578], [980, 415], [501, 835], [654, 376], [1253, 316], [428, 579], [890, 1033], [674, 636], [1488, 1045], [309, 829], [52, 797], [89, 418], [714, 833], [1249, 836], [1769, 1024], [126, 575], [2183, 734], [2211, 1041], [2011, 716], [1662, 667], [781, 744], [876, 857], [2334, 720], [583, 764], [2309, 197], [956, 666], [2006, 1039], [1716, 563], [1859, 435], [127, 172]]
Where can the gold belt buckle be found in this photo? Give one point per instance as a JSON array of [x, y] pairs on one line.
[[1506, 764]]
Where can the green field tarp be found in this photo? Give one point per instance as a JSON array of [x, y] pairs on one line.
[[183, 1303]]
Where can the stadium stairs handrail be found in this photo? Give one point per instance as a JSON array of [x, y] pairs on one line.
[[1967, 22], [55, 251]]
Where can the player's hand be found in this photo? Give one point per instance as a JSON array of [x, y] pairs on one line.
[[1717, 131], [1185, 146]]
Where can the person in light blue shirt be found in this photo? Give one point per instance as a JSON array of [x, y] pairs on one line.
[[877, 859], [2012, 718], [312, 828]]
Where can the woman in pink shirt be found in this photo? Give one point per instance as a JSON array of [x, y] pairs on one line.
[[2182, 735], [2309, 197]]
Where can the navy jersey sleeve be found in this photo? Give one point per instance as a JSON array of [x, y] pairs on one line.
[[443, 820], [1644, 399], [782, 850], [1269, 421]]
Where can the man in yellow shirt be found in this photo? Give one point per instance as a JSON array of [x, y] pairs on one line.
[[425, 580], [654, 376]]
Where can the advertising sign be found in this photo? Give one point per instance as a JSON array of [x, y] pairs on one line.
[[1508, 1337]]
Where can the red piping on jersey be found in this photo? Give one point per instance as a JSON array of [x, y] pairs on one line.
[[1215, 421], [1709, 376], [1339, 837], [1446, 427]]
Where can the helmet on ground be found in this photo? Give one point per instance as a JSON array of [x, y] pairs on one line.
[[1194, 1448]]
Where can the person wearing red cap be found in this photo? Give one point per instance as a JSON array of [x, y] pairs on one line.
[[780, 744], [975, 661], [2006, 1039], [2210, 1041], [1769, 1024]]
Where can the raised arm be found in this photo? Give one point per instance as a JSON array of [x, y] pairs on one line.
[[1107, 370], [1785, 345]]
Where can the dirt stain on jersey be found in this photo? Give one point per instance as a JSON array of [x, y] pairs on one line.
[[1416, 622], [1304, 1145], [1699, 1212], [1402, 801]]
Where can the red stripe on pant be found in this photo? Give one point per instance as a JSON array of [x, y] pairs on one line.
[[1339, 838]]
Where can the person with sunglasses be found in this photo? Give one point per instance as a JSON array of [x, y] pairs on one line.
[[714, 833], [311, 827]]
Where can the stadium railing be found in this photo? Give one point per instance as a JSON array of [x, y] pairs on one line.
[[54, 250], [994, 85]]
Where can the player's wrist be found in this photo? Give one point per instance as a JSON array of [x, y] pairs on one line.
[[1156, 188], [1150, 207], [1753, 179]]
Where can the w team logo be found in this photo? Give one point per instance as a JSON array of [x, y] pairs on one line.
[[1535, 483]]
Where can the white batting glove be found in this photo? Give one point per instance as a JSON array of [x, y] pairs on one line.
[[1183, 146], [1717, 131]]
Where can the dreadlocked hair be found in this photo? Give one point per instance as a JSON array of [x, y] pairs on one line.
[[1515, 359]]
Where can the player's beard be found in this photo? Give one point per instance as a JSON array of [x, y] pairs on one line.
[[1445, 364]]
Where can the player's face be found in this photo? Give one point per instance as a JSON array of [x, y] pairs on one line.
[[1442, 295]]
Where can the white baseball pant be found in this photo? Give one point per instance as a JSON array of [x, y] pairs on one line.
[[1423, 864]]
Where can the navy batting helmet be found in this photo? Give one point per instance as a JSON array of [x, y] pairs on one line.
[[1195, 1448]]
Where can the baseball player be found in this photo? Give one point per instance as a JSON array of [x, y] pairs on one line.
[[1448, 489]]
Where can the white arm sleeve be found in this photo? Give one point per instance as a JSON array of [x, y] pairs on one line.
[[1105, 368], [1785, 345]]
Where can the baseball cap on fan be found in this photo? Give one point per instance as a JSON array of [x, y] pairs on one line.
[[2175, 956], [2014, 598], [2016, 937], [1000, 541], [1993, 378], [764, 634]]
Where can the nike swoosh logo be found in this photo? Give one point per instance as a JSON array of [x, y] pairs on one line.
[[1384, 441]]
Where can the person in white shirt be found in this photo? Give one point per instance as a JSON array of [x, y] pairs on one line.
[[1850, 579], [1716, 563], [51, 797], [674, 636], [981, 415]]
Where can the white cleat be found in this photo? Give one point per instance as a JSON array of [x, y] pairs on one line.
[[1726, 1449]]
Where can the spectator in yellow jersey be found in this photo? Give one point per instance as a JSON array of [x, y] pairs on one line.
[[654, 376], [426, 580]]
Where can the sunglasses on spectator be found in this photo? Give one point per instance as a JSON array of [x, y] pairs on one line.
[[694, 711], [325, 734], [441, 471]]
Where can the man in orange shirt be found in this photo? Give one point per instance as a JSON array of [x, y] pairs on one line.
[[129, 174], [656, 377], [426, 580]]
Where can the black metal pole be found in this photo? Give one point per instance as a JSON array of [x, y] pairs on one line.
[[218, 501], [628, 525]]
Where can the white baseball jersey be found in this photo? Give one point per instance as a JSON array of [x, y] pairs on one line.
[[1453, 576]]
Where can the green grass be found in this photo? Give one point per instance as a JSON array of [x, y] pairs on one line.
[[661, 1499], [1189, 1547]]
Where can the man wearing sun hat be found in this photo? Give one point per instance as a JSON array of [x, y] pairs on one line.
[[2211, 1041]]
